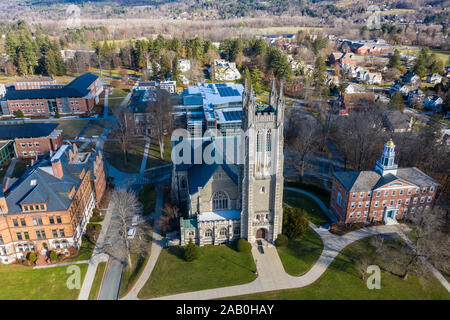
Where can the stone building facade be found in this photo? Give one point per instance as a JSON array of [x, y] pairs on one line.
[[241, 199]]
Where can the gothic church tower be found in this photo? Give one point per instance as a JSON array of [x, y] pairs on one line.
[[261, 175]]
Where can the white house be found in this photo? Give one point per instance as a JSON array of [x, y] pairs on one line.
[[433, 103], [225, 71], [434, 78], [184, 65]]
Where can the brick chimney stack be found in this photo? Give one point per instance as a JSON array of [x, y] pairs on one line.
[[57, 168]]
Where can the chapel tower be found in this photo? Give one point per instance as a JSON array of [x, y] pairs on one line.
[[261, 174]]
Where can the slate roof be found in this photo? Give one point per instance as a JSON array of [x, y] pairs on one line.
[[76, 89], [200, 174], [26, 130], [358, 181], [38, 184]]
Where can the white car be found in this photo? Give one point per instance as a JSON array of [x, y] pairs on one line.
[[134, 221], [131, 233]]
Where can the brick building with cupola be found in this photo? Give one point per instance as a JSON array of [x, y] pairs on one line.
[[49, 207], [387, 193]]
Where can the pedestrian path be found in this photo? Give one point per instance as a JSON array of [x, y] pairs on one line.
[[145, 156], [157, 245], [61, 264]]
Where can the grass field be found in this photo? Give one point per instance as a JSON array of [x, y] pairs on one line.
[[24, 283], [300, 254], [342, 281], [70, 128], [114, 155], [95, 128], [95, 289], [154, 156], [217, 266], [86, 249], [299, 200]]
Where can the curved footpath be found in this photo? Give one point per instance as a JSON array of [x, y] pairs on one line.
[[271, 274]]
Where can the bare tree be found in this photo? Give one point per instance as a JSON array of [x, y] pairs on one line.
[[126, 206], [304, 136], [120, 128], [170, 218], [428, 242], [159, 112]]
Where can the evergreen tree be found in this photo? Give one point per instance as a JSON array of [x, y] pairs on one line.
[[397, 102], [419, 66], [22, 68], [295, 222], [190, 251], [395, 61]]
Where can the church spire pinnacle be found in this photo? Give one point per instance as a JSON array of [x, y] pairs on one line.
[[386, 164], [273, 93]]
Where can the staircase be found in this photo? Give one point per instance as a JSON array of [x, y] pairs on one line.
[[390, 221]]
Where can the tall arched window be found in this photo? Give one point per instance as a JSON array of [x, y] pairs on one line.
[[220, 201], [269, 141], [223, 232], [258, 141]]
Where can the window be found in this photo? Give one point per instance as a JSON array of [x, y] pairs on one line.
[[258, 142], [369, 193], [359, 204], [51, 220], [56, 244], [413, 209], [30, 144], [407, 201], [64, 244], [58, 219], [386, 193], [1, 239], [376, 203], [41, 206], [352, 205], [401, 192], [22, 222], [55, 233], [391, 203], [366, 213], [16, 224], [361, 195], [431, 189], [262, 190], [374, 213], [424, 189], [367, 204], [43, 234], [405, 211], [222, 232], [38, 234], [220, 201], [269, 141], [422, 199], [409, 191], [384, 203], [36, 144], [354, 195], [399, 201], [339, 199], [415, 200], [351, 215], [237, 230], [358, 214], [429, 198], [378, 193], [208, 233], [26, 235], [394, 192], [19, 236], [417, 190]]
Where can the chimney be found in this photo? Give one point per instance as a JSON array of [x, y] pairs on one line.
[[57, 168]]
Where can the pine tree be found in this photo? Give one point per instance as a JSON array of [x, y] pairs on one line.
[[191, 251], [22, 68]]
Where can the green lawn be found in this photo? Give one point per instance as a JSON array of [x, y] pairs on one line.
[[95, 289], [298, 200], [95, 128], [114, 155], [316, 190], [70, 128], [300, 254], [342, 281], [217, 266], [147, 196], [25, 283], [154, 156], [86, 249]]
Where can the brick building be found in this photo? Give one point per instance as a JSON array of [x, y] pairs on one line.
[[77, 97], [31, 140], [49, 207], [385, 194]]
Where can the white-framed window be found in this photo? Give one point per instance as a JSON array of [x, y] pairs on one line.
[[429, 198], [369, 193], [409, 191], [424, 189], [386, 193], [415, 200], [223, 231], [401, 192], [427, 208], [352, 205], [413, 209], [407, 201], [366, 213], [374, 213], [405, 211], [399, 201], [361, 194], [376, 203], [378, 193], [417, 190], [359, 204], [391, 203], [351, 215], [431, 189], [358, 214], [367, 204], [384, 203], [394, 192], [354, 195], [208, 233], [422, 199]]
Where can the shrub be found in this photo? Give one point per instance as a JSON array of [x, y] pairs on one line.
[[244, 246], [32, 257], [190, 251], [96, 219], [295, 222], [53, 256], [19, 114], [281, 241]]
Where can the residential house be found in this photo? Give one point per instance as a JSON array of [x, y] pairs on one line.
[[433, 103], [434, 78], [396, 121], [416, 97], [225, 71], [184, 65]]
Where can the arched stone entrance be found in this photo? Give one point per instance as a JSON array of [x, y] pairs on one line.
[[261, 233]]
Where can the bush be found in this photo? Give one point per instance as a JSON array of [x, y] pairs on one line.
[[190, 252], [281, 241], [295, 222], [244, 246], [19, 114], [53, 256], [32, 257], [96, 219]]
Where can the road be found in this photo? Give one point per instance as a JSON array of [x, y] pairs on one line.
[[111, 282]]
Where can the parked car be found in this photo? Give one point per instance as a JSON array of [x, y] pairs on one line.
[[134, 220], [131, 233]]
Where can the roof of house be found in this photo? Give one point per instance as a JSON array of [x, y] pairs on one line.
[[26, 130], [77, 88], [397, 120], [200, 174]]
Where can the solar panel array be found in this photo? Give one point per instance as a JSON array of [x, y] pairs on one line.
[[227, 91], [232, 115]]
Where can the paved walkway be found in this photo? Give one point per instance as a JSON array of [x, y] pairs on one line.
[[271, 274], [105, 104], [96, 258], [61, 264], [145, 156], [157, 245]]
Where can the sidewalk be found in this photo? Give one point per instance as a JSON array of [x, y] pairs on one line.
[[96, 258], [157, 245]]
